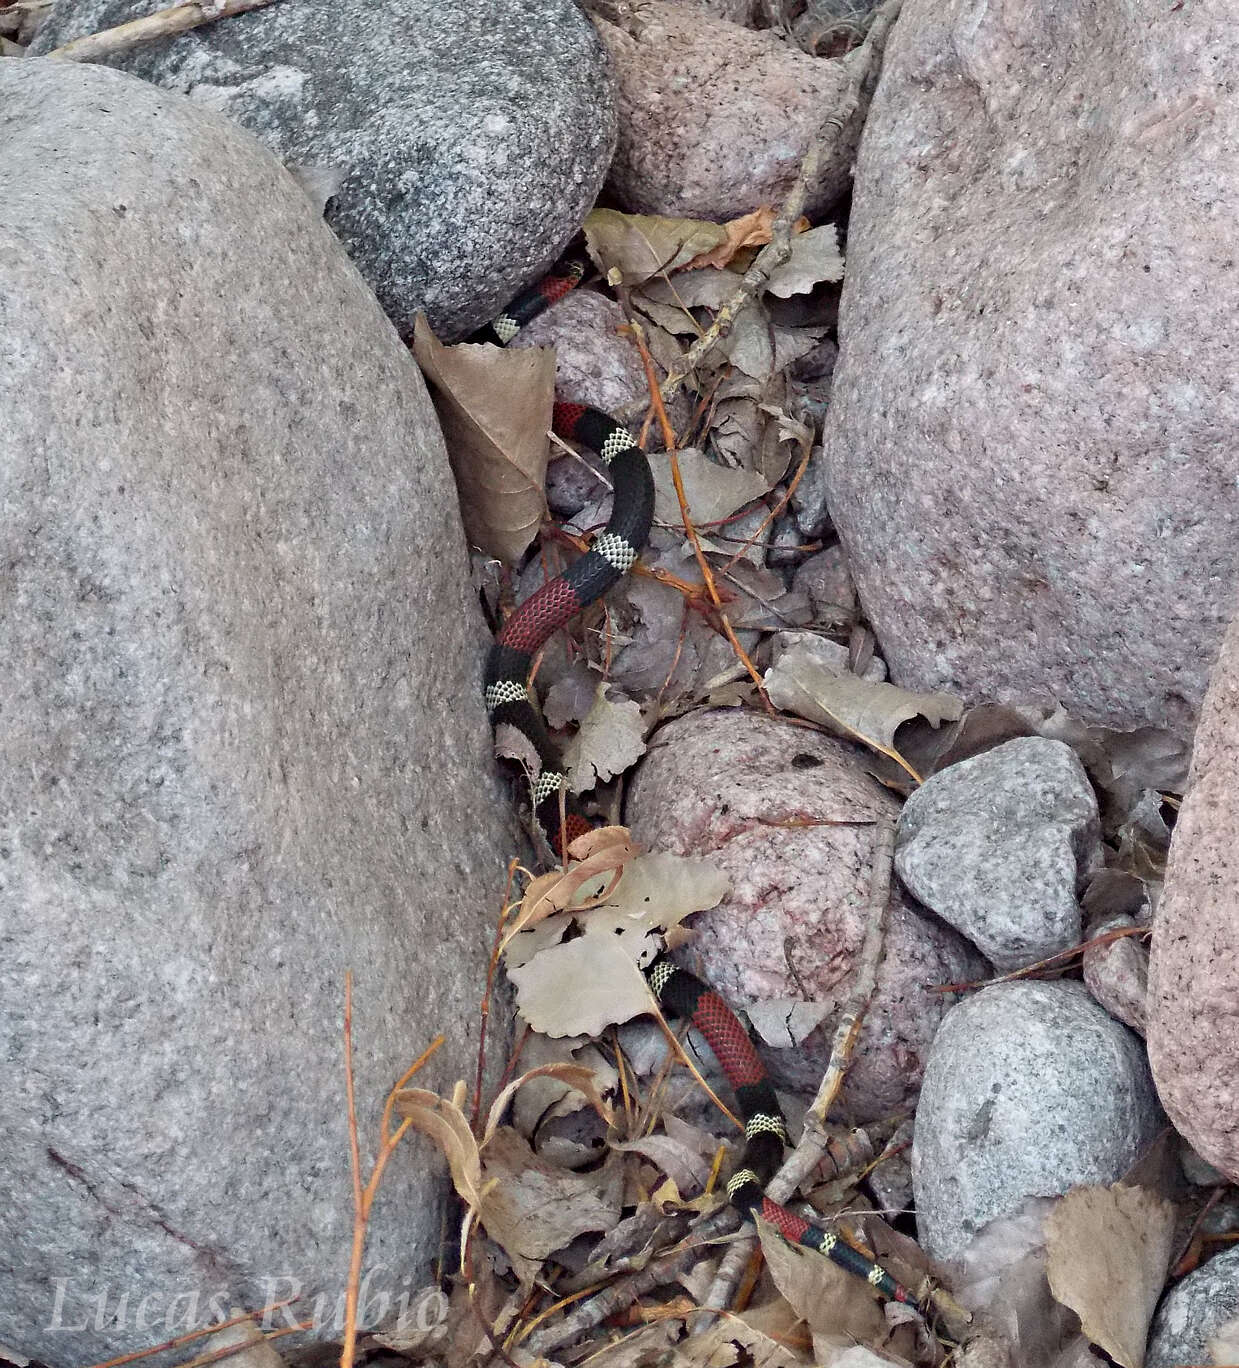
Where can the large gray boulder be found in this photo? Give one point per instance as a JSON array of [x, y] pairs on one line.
[[241, 745], [469, 137], [1031, 442]]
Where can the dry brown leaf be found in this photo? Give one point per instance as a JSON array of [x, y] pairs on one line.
[[531, 1209], [446, 1125], [577, 1077], [761, 349], [1107, 1251], [580, 986], [494, 406], [815, 258], [682, 1163], [713, 491], [643, 1348], [670, 302], [784, 1023], [749, 230], [604, 850], [612, 838], [639, 246], [870, 711], [731, 1340], [610, 739], [829, 1300]]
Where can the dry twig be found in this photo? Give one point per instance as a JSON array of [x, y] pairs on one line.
[[363, 1197], [165, 23], [814, 1141]]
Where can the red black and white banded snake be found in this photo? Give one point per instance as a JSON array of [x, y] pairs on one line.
[[681, 994]]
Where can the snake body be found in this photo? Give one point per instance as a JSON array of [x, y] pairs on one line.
[[679, 993]]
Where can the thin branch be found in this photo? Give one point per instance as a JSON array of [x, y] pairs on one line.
[[165, 23], [196, 1334], [363, 1197], [864, 973], [814, 1141]]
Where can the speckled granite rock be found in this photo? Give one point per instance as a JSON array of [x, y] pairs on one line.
[[999, 846], [1117, 972], [1194, 1310], [1031, 437], [787, 814], [1193, 1003], [241, 745], [1030, 1089], [471, 135]]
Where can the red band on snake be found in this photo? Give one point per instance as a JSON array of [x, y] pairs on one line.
[[678, 992]]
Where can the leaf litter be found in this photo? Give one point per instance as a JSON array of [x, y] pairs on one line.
[[655, 649]]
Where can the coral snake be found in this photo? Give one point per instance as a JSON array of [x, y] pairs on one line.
[[508, 664]]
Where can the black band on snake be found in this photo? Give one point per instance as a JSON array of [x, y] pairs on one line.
[[679, 993]]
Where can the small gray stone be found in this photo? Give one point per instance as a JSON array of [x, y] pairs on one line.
[[1192, 1311], [1030, 1089], [1197, 1170], [243, 750], [472, 136], [784, 547], [809, 497], [1117, 972], [999, 845], [827, 580]]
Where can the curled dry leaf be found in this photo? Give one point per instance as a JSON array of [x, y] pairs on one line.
[[610, 739], [541, 1098], [577, 1077], [445, 1124], [603, 850], [749, 230], [870, 711], [528, 1207], [1108, 1249], [495, 409]]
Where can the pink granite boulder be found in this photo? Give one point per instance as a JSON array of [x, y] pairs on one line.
[[789, 815], [715, 119], [1193, 1003], [1031, 445]]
